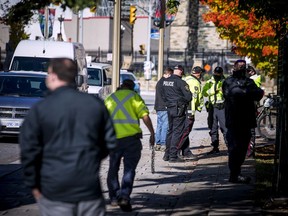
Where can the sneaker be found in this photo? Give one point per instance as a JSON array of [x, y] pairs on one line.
[[176, 160], [125, 205], [157, 147], [163, 148], [240, 179], [166, 158], [213, 151], [114, 202], [190, 157]]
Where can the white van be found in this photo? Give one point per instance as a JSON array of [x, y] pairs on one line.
[[34, 55], [99, 79]]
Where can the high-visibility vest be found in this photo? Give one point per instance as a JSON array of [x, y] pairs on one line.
[[197, 101], [126, 107], [213, 91], [257, 79]]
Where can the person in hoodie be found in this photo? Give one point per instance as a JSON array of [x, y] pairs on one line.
[[240, 94]]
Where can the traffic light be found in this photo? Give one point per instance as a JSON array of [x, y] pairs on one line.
[[132, 18], [93, 9], [142, 49]]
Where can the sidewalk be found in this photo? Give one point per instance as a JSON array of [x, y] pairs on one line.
[[179, 189]]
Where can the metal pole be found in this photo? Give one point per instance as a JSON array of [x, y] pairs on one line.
[[80, 27], [149, 31], [161, 40], [116, 45], [46, 23], [149, 43]]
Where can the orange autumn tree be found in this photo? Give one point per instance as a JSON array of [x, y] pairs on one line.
[[253, 37]]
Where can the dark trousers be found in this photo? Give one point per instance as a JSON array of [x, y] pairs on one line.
[[130, 150], [238, 141], [218, 121], [175, 131], [184, 142]]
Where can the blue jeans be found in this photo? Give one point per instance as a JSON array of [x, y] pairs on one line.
[[130, 149], [162, 127]]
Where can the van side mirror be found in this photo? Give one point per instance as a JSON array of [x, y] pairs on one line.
[[108, 81], [79, 80]]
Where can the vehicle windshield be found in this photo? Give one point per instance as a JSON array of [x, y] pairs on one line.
[[30, 64], [22, 86], [126, 76], [94, 77]]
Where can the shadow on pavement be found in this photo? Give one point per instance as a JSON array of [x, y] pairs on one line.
[[13, 192]]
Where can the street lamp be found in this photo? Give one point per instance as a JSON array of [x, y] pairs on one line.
[[61, 19]]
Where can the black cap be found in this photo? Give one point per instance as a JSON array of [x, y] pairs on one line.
[[197, 70], [179, 67], [218, 70]]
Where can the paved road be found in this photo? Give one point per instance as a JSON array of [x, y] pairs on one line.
[[190, 188]]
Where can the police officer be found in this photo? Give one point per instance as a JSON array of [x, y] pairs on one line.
[[126, 107], [196, 104], [176, 95], [216, 114], [240, 93]]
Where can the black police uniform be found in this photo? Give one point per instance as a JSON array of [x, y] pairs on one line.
[[176, 95]]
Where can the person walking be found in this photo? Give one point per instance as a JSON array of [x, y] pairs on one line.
[[63, 140], [252, 74], [196, 104], [161, 111], [126, 108], [216, 112], [239, 93], [176, 95]]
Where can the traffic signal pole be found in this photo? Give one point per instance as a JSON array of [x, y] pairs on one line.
[[161, 40]]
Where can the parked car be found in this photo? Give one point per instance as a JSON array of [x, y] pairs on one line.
[[18, 92], [99, 79], [124, 74]]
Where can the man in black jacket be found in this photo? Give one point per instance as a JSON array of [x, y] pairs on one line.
[[63, 141], [240, 93], [162, 115], [176, 95]]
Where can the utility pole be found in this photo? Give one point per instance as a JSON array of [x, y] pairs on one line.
[[161, 40], [80, 17], [149, 32], [116, 45]]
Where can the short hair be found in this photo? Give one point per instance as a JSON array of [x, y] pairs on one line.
[[65, 69], [128, 84], [168, 71]]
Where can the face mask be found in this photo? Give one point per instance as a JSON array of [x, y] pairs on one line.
[[217, 77]]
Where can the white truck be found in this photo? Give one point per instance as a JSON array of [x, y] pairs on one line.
[[34, 55], [99, 79]]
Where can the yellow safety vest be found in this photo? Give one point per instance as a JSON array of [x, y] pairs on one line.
[[197, 101], [257, 79], [214, 93], [126, 107]]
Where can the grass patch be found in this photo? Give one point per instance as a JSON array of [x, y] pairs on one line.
[[264, 158]]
